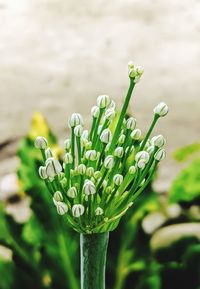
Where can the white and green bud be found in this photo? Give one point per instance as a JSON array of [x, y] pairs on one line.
[[131, 123], [141, 164], [112, 105], [107, 147], [61, 208], [104, 184], [109, 114], [121, 139], [78, 130], [78, 210], [109, 162], [132, 170], [136, 134], [98, 211], [91, 155], [108, 190], [53, 167], [85, 135], [97, 175], [95, 111], [41, 143], [160, 155], [43, 173], [90, 172], [75, 120], [68, 158], [99, 129], [142, 155], [89, 188], [88, 145], [118, 179], [67, 144], [81, 169], [106, 136], [135, 72], [158, 141], [72, 192], [103, 101], [119, 152], [161, 109], [151, 149], [57, 197], [48, 153]]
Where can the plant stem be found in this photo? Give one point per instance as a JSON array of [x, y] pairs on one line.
[[93, 260]]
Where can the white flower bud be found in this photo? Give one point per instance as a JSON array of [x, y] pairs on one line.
[[53, 167], [48, 153], [91, 155], [109, 114], [89, 188], [131, 123], [119, 151], [75, 120], [121, 139], [132, 170], [118, 179], [143, 155], [41, 143], [106, 136], [151, 149], [99, 129], [107, 147], [160, 155], [158, 141], [109, 162], [141, 164], [61, 208], [72, 192], [57, 197], [43, 173], [95, 111], [112, 105], [68, 159], [90, 171], [67, 144], [136, 134], [81, 169], [99, 211], [78, 210], [85, 134], [88, 145], [78, 130], [103, 101], [161, 109], [135, 72], [97, 175]]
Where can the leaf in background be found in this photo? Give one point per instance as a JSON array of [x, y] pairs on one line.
[[183, 154]]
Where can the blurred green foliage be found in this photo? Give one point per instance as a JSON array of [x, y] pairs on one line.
[[46, 252]]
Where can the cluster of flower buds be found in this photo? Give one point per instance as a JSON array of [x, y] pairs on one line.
[[103, 170]]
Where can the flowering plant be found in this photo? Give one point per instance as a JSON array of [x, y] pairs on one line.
[[92, 189]]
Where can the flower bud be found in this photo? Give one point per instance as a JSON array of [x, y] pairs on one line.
[[109, 162], [95, 111], [112, 105], [158, 141], [48, 153], [41, 143], [160, 155], [151, 149], [68, 159], [75, 120], [78, 130], [131, 123], [89, 188], [104, 184], [97, 175], [61, 208], [99, 211], [99, 129], [161, 109], [118, 179], [106, 136], [81, 169], [119, 151], [135, 72], [109, 114], [141, 164], [67, 144], [121, 139], [53, 167], [107, 147], [132, 170], [78, 210], [103, 101], [91, 155], [72, 192], [144, 156], [43, 173], [58, 197], [85, 134], [88, 145], [90, 172], [136, 134]]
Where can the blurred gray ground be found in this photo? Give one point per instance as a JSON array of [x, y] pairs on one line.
[[57, 56]]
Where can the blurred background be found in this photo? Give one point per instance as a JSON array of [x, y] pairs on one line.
[[56, 57]]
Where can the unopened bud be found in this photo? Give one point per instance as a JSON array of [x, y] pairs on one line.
[[99, 211], [43, 173], [58, 197], [119, 151], [78, 130], [118, 179], [151, 149], [67, 144], [72, 192], [103, 101], [136, 134], [48, 153], [132, 170], [121, 139], [91, 155], [106, 136], [95, 111], [161, 109], [61, 208], [160, 155], [41, 143], [75, 120], [158, 141], [97, 175], [53, 167], [109, 114], [85, 134], [78, 210], [81, 169], [143, 155], [90, 171], [141, 164], [131, 123], [109, 162], [89, 188], [68, 159]]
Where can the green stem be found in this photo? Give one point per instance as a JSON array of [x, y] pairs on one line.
[[93, 260], [121, 117], [156, 117]]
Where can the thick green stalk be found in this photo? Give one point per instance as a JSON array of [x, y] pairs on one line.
[[93, 260]]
